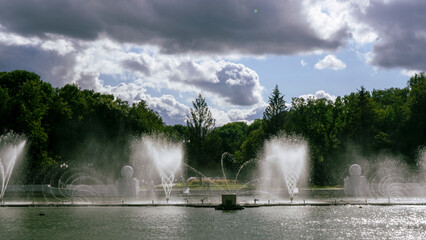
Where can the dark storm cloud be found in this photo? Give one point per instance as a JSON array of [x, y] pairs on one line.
[[40, 17], [138, 65], [215, 26], [49, 65], [401, 29]]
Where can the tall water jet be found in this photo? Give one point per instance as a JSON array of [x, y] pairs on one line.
[[11, 150], [284, 163], [165, 156]]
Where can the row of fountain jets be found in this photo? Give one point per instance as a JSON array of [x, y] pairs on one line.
[[286, 157], [282, 165]]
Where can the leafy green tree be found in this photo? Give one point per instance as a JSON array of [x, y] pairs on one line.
[[361, 119], [392, 117], [320, 122], [79, 127], [417, 106], [227, 138], [252, 144], [144, 120], [30, 103], [177, 133], [4, 108]]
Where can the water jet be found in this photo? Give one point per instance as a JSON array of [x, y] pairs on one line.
[[11, 150]]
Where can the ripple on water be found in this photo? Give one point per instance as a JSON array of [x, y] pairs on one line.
[[304, 222]]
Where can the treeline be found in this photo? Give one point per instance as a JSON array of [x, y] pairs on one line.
[[69, 125], [81, 127], [361, 126]]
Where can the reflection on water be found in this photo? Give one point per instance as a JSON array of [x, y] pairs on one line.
[[331, 222]]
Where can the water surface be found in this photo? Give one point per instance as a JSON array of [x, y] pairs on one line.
[[325, 222]]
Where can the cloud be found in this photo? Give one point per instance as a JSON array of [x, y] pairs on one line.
[[137, 65], [235, 83], [401, 33], [247, 115], [329, 17], [330, 62], [50, 65], [409, 73], [219, 26], [171, 111], [225, 82], [319, 95], [303, 63], [138, 73]]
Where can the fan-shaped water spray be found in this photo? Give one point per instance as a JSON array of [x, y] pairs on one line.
[[11, 149], [164, 155], [75, 184], [284, 159]]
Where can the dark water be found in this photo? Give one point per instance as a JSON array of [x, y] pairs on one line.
[[331, 222]]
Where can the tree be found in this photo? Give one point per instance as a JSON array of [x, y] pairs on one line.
[[29, 106], [417, 106], [392, 117], [252, 143], [227, 138], [275, 112], [199, 123], [320, 122], [361, 127]]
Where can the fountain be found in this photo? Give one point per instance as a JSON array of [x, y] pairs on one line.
[[355, 184], [166, 157], [284, 159], [127, 186], [11, 150], [394, 179], [76, 184]]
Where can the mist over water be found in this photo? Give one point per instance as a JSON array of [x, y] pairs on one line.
[[284, 164], [11, 150], [391, 177], [422, 163], [155, 156]]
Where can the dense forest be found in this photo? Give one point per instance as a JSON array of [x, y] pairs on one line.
[[80, 127]]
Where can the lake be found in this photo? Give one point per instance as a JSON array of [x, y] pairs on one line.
[[171, 222]]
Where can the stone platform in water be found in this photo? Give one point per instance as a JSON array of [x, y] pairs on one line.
[[232, 207], [229, 202]]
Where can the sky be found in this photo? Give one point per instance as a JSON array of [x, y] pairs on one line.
[[233, 52]]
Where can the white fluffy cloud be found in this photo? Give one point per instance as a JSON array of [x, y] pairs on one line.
[[238, 115], [329, 17], [319, 95], [330, 62], [171, 111], [409, 73]]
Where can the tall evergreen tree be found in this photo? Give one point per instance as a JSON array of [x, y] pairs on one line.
[[275, 112], [199, 123], [362, 120]]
